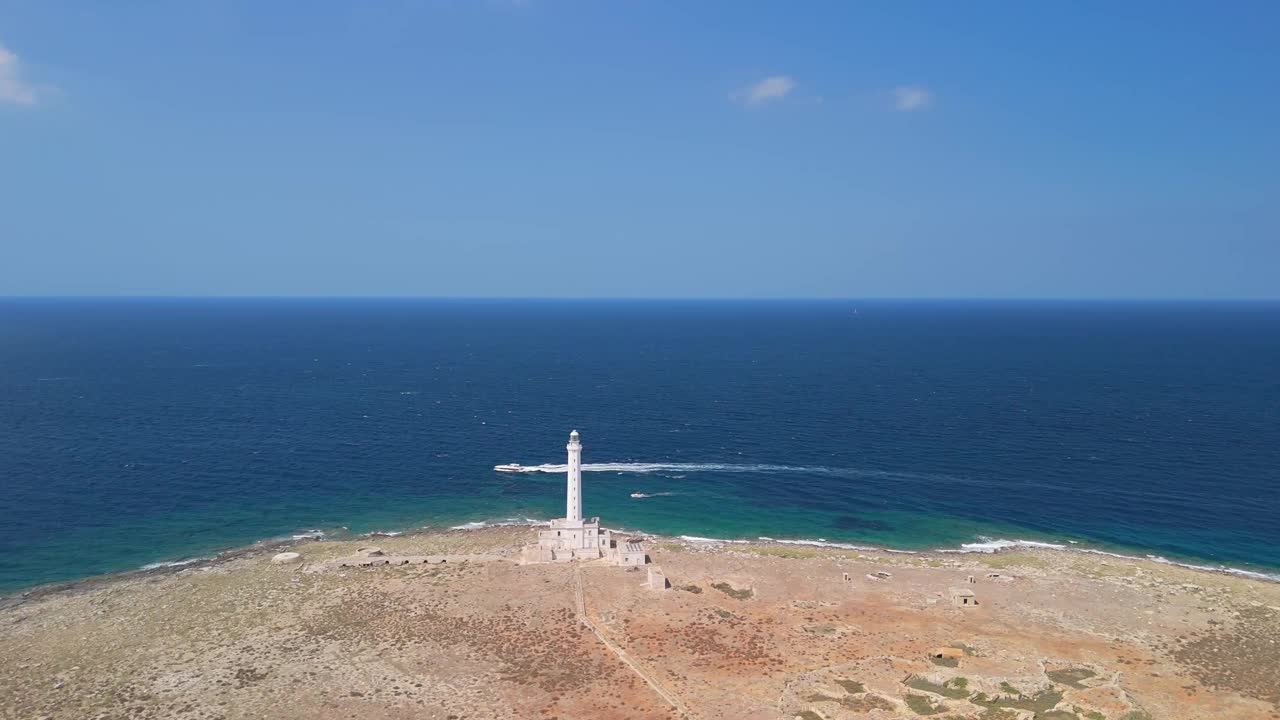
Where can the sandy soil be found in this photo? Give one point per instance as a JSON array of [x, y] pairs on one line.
[[746, 631]]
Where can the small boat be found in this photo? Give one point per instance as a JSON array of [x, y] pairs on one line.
[[639, 495], [510, 467]]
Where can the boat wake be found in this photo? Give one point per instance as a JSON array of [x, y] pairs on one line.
[[672, 467]]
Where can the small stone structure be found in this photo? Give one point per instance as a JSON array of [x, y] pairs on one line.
[[630, 552], [574, 538], [947, 653], [657, 579], [963, 597]]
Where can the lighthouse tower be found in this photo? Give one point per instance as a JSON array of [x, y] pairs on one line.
[[574, 537], [573, 498]]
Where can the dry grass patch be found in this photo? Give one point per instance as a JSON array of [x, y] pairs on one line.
[[735, 593], [1003, 561]]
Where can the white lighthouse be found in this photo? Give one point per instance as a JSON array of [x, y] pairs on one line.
[[573, 498], [573, 537]]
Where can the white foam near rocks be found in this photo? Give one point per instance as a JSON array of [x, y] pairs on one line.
[[987, 545], [814, 543], [714, 541], [820, 542], [174, 563], [506, 522], [826, 544], [1219, 568]]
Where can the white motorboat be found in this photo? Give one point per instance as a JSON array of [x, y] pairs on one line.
[[510, 467]]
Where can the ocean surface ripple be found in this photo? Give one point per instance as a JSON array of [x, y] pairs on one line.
[[141, 432]]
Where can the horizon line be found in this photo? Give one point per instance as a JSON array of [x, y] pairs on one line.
[[671, 298]]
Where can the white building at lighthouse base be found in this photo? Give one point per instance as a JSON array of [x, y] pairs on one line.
[[565, 540]]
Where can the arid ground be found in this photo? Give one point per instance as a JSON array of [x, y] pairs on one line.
[[745, 631]]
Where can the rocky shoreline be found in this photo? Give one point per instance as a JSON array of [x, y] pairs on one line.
[[273, 545], [747, 630]]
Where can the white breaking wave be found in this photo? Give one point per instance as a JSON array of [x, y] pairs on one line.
[[826, 544], [1254, 574], [696, 539], [469, 526], [988, 545], [174, 563], [481, 524], [814, 543], [1243, 573], [842, 546]]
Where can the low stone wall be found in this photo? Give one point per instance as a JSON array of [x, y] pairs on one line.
[[362, 561]]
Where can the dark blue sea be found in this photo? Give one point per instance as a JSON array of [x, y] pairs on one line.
[[144, 431]]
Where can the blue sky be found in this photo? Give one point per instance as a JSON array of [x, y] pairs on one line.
[[640, 149]]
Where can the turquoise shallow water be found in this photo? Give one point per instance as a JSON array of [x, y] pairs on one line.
[[137, 432]]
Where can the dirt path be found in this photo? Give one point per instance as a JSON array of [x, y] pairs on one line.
[[581, 601]]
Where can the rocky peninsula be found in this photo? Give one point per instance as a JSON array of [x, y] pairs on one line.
[[744, 631]]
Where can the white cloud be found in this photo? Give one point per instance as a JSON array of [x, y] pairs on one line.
[[771, 88], [12, 88], [911, 97]]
